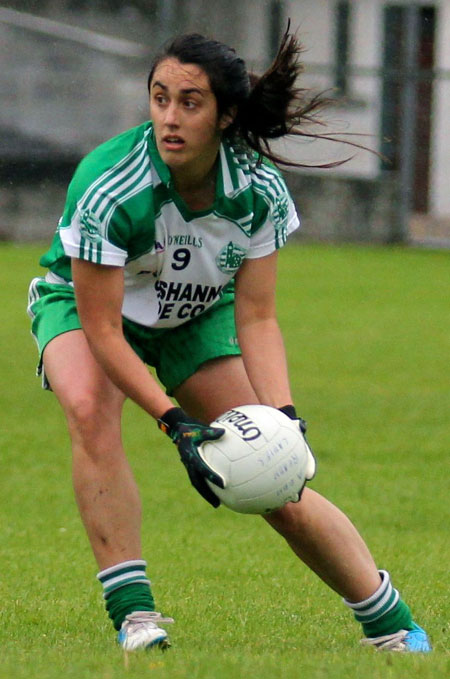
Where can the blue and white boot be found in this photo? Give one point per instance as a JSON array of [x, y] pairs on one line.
[[141, 630], [403, 641]]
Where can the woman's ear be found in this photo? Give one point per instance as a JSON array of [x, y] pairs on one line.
[[227, 118]]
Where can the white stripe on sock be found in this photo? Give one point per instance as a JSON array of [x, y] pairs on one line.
[[385, 585], [125, 564]]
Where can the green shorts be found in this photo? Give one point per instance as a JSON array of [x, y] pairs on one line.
[[175, 353]]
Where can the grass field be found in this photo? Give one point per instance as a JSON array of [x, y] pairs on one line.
[[367, 334]]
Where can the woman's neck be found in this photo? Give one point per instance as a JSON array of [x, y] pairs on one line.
[[198, 190]]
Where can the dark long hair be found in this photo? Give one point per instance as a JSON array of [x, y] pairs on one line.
[[267, 107]]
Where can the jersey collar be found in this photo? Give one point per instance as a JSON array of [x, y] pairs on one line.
[[227, 182], [157, 162]]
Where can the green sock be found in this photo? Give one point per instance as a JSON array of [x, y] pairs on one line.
[[126, 589], [397, 618], [384, 612], [128, 599]]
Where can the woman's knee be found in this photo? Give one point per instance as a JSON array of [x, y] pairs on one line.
[[84, 409], [91, 402], [93, 419]]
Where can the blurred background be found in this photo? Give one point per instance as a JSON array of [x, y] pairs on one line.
[[74, 74]]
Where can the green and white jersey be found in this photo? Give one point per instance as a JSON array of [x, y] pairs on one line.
[[122, 210]]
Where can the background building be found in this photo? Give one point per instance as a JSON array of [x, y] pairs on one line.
[[74, 74]]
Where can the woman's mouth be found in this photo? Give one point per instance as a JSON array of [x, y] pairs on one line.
[[173, 142]]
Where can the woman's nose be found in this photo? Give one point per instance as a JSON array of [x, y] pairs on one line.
[[171, 117]]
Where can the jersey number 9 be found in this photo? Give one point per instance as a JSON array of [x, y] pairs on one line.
[[181, 257]]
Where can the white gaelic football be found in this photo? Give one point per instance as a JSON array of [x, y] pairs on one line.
[[262, 458]]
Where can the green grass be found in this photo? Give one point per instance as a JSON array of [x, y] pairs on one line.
[[366, 331]]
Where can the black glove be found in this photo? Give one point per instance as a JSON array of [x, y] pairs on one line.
[[188, 433], [290, 411], [292, 414]]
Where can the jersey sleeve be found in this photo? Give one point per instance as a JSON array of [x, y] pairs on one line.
[[85, 234], [93, 226], [276, 217]]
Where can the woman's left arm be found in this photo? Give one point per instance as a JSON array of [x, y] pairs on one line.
[[258, 331]]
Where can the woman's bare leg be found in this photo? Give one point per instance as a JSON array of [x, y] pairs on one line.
[[319, 533], [105, 489]]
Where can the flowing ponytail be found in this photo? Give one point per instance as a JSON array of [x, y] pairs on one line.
[[276, 107], [266, 107]]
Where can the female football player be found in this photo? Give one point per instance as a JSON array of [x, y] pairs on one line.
[[166, 256]]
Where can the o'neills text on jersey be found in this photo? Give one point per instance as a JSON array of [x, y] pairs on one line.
[[184, 239]]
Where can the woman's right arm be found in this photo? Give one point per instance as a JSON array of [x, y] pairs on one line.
[[99, 291]]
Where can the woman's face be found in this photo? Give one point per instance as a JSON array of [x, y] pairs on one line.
[[183, 109]]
